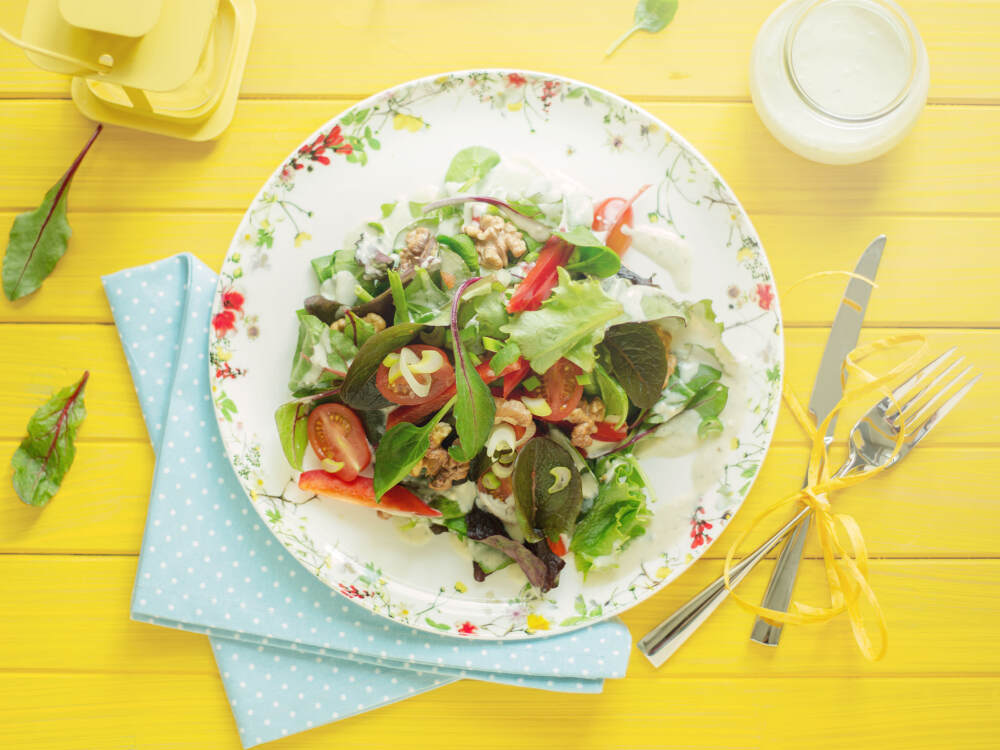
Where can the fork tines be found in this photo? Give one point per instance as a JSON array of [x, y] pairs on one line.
[[923, 409]]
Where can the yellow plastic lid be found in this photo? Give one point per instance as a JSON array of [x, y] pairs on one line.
[[131, 18]]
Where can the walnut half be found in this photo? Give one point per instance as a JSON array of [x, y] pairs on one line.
[[420, 252], [495, 238], [585, 418], [442, 470]]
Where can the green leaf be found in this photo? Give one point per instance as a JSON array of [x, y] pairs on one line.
[[358, 389], [618, 516], [464, 246], [612, 394], [651, 16], [41, 461], [534, 568], [504, 358], [475, 409], [435, 624], [398, 298], [323, 267], [538, 507], [321, 356], [292, 420], [387, 209], [709, 403], [471, 164], [591, 256], [639, 361], [569, 324], [580, 605], [400, 449], [38, 238], [425, 302]]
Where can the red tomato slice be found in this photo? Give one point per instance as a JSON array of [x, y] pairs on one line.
[[561, 390], [335, 433], [361, 491], [399, 391], [542, 278], [417, 413], [607, 432]]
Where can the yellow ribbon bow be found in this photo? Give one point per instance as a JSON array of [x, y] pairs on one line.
[[846, 571]]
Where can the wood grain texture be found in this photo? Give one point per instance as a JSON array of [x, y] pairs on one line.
[[912, 512], [105, 242], [948, 164], [367, 45], [59, 711], [89, 597], [114, 413]]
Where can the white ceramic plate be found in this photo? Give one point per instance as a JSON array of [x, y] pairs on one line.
[[393, 144]]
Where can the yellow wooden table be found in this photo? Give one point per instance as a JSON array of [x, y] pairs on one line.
[[75, 672]]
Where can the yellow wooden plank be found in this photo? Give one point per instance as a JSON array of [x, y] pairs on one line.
[[962, 252], [101, 507], [118, 712], [47, 357], [89, 597], [703, 54], [948, 164]]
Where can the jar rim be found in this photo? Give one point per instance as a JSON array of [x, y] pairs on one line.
[[902, 23]]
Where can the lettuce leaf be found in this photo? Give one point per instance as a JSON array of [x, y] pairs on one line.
[[321, 356], [569, 324], [618, 516]]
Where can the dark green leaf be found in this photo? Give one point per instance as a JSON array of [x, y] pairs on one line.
[[709, 403], [400, 449], [474, 409], [398, 298], [44, 457], [591, 256], [38, 238], [358, 389], [471, 164], [322, 307], [464, 246], [535, 475], [651, 16], [638, 360], [292, 420]]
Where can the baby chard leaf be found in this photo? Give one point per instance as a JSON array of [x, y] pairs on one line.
[[547, 490], [474, 409], [639, 361], [44, 457], [38, 238], [400, 449], [358, 389]]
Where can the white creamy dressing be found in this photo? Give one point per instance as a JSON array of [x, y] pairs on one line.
[[852, 58], [502, 509], [464, 495], [561, 198], [665, 248]]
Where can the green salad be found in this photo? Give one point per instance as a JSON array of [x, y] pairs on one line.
[[483, 363]]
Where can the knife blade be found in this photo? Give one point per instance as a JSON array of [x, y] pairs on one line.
[[826, 392]]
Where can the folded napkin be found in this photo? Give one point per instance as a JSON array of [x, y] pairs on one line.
[[292, 652]]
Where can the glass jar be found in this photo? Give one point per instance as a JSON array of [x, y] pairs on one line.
[[839, 81]]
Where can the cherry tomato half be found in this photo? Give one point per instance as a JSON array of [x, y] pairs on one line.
[[607, 432], [560, 390], [335, 433], [400, 392], [611, 215]]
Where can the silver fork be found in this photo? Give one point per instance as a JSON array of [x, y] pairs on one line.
[[871, 443]]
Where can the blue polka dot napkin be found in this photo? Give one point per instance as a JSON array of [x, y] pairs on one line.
[[292, 652]]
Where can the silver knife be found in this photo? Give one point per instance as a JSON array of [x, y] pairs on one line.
[[826, 392], [663, 640]]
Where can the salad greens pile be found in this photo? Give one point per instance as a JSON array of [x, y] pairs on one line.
[[484, 363]]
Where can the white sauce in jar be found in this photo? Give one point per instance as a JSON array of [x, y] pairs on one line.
[[839, 81]]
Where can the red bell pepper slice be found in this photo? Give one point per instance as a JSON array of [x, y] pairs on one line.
[[617, 240], [361, 491], [542, 278], [558, 547], [609, 434], [514, 374]]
